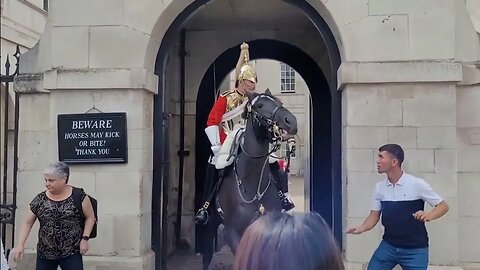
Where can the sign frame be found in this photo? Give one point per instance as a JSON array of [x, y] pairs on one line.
[[116, 121]]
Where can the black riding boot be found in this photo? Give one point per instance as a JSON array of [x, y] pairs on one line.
[[211, 178], [280, 179]]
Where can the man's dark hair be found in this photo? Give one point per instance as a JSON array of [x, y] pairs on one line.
[[394, 149]]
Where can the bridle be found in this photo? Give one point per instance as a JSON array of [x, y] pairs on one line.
[[268, 122], [276, 138]]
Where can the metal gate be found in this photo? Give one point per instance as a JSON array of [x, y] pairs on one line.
[[9, 143]]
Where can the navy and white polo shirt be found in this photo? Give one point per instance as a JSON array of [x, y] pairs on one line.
[[398, 204]]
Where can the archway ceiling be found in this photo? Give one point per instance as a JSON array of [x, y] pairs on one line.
[[248, 14]]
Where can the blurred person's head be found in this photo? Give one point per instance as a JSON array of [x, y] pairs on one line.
[[282, 241], [56, 177]]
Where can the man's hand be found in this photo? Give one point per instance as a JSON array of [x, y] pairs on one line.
[[367, 225], [216, 149], [356, 230], [422, 216]]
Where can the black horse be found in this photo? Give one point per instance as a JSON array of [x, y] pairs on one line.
[[246, 190]]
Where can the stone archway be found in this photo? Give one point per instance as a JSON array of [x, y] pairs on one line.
[[164, 64], [323, 134]]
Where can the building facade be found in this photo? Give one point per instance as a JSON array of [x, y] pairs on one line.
[[21, 24], [378, 72]]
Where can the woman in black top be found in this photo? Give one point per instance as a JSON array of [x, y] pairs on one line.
[[63, 233]]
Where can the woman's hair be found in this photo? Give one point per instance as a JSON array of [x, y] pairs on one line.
[[297, 241], [59, 169]]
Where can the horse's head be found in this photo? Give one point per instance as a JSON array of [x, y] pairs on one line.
[[270, 113]]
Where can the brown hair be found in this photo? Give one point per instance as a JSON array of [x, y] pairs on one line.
[[297, 241]]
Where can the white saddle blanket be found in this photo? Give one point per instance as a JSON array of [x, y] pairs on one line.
[[224, 159]]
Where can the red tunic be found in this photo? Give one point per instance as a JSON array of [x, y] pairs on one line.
[[281, 162], [216, 114]]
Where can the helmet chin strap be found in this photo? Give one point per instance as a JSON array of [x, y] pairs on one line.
[[241, 89]]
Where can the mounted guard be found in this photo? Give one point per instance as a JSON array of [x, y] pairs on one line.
[[225, 119]]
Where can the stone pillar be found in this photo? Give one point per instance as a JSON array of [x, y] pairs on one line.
[[468, 160], [123, 191], [411, 104], [92, 53]]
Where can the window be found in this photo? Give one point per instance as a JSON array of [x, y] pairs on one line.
[[287, 77]]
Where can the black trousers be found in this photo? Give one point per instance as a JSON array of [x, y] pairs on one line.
[[211, 178], [280, 177], [73, 262]]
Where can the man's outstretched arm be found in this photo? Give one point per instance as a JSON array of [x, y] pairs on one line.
[[367, 225]]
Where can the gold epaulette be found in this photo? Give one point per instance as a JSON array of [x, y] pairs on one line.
[[228, 92]]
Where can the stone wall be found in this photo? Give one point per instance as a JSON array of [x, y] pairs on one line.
[[468, 163], [398, 77], [124, 214], [435, 123]]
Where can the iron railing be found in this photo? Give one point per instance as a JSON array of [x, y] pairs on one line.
[[8, 185]]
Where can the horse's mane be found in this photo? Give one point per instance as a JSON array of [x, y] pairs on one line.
[[244, 114], [274, 98], [271, 96]]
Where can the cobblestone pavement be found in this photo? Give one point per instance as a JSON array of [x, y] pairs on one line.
[[223, 259]]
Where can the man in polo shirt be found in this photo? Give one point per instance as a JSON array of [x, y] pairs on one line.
[[400, 200]]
